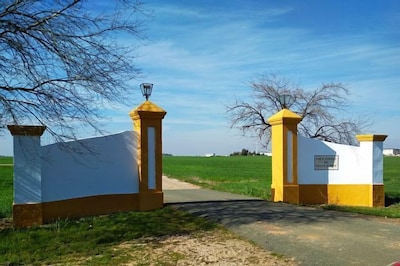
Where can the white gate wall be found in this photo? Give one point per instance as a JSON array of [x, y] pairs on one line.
[[356, 164], [97, 166]]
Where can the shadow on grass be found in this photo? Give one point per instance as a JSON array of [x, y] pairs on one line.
[[391, 200], [93, 235]]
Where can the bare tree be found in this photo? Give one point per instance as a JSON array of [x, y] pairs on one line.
[[61, 62], [320, 109]]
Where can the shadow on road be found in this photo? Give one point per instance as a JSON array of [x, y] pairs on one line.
[[239, 212]]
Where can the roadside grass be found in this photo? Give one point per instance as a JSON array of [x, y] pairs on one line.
[[93, 240], [251, 175]]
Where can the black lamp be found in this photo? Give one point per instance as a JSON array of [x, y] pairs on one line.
[[146, 89], [284, 99]]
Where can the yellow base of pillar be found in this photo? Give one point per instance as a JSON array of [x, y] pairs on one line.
[[350, 195], [89, 206], [378, 196], [313, 194], [289, 194], [151, 201], [25, 215]]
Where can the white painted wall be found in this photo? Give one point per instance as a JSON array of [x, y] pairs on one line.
[[289, 159], [357, 165], [110, 168], [151, 158], [27, 171], [377, 162]]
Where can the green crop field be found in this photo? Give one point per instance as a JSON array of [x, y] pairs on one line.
[[248, 175], [6, 186], [391, 176]]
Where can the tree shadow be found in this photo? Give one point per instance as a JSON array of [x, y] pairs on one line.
[[240, 212]]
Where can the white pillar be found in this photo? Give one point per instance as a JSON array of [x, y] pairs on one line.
[[27, 208]]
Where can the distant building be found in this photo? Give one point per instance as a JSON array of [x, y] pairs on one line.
[[210, 155], [391, 152]]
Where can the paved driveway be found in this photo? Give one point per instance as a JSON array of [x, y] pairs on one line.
[[312, 236]]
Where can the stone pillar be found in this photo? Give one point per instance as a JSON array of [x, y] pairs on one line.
[[27, 206], [147, 120], [372, 146], [284, 185]]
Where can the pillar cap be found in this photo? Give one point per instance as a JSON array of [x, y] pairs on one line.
[[147, 108], [371, 137], [18, 130], [284, 115]]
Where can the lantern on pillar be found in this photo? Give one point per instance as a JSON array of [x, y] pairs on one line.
[[146, 89]]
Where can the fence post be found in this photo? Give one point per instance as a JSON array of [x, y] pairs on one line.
[[284, 185], [27, 206], [147, 120], [372, 146]]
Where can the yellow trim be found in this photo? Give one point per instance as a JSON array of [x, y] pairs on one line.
[[25, 215], [378, 196], [151, 200], [366, 195], [313, 194], [147, 109], [357, 195], [17, 130], [284, 115], [371, 137], [89, 206], [291, 193], [352, 195]]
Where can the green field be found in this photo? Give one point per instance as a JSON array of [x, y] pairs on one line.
[[391, 179], [6, 186], [248, 175]]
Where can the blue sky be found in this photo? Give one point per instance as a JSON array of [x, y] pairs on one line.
[[200, 55]]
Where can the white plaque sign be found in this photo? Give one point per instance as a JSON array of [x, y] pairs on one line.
[[326, 162]]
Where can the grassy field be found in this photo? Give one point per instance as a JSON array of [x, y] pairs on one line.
[[6, 186], [248, 175], [391, 175]]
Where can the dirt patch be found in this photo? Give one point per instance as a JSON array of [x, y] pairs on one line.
[[6, 223], [170, 183], [209, 248]]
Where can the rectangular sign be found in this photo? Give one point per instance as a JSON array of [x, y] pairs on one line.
[[326, 162]]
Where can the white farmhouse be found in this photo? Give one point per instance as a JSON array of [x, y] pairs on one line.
[[391, 152]]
